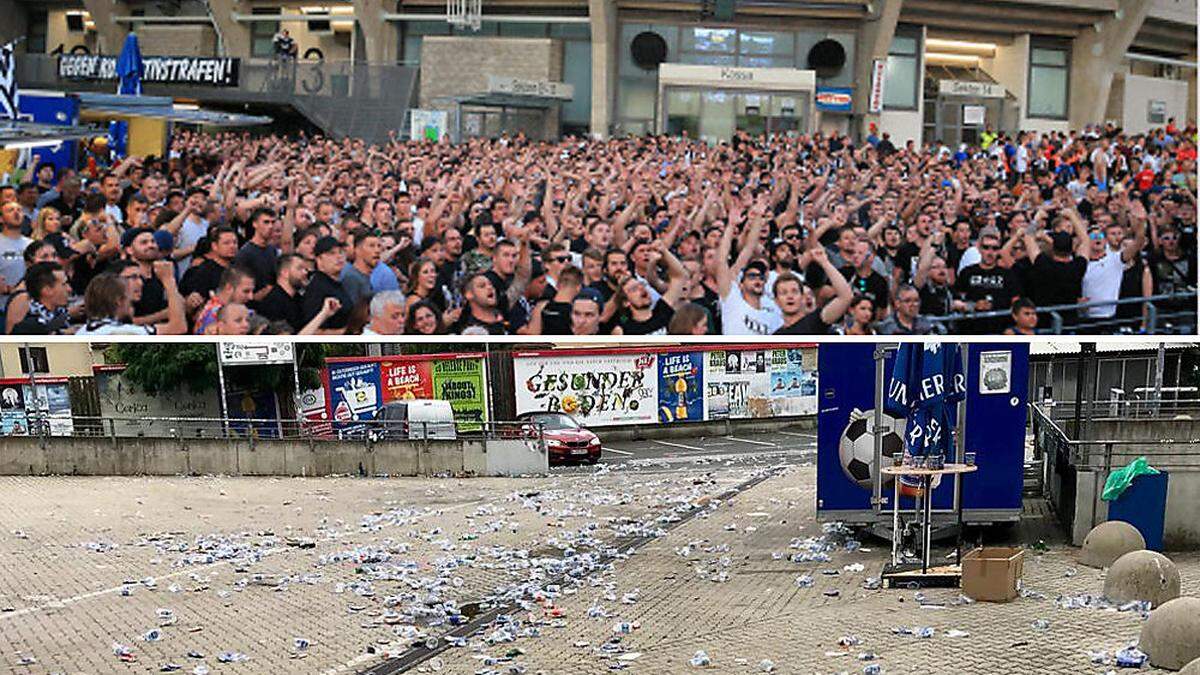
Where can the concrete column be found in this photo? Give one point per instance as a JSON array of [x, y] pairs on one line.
[[233, 37], [381, 38], [15, 23], [1191, 80], [110, 35], [603, 15], [1010, 67], [874, 41], [1095, 55]]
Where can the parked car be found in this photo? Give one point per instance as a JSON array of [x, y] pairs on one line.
[[416, 419], [566, 439]]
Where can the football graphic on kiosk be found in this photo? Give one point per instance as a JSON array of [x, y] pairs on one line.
[[856, 448]]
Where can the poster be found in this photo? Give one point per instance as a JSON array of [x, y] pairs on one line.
[[428, 125], [13, 421], [462, 383], [681, 387], [793, 387], [737, 384], [355, 394], [405, 380], [995, 372], [597, 389], [48, 408], [316, 417]]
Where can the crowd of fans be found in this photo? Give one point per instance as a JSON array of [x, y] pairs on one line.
[[234, 234]]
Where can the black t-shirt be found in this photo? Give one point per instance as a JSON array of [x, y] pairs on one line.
[[203, 278], [873, 286], [1056, 283], [84, 268], [811, 324], [905, 254], [71, 211], [261, 262], [556, 318], [154, 297], [1131, 287], [320, 287], [975, 283], [1172, 276], [279, 306], [935, 300], [712, 302], [660, 316], [499, 327]]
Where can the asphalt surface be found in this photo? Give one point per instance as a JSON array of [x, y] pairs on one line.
[[740, 448]]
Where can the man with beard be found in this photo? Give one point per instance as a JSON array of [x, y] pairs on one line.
[[864, 280], [783, 258], [450, 268], [283, 302], [905, 318], [139, 247], [640, 314], [798, 304], [259, 255], [236, 287], [481, 307], [986, 287], [743, 311], [108, 304], [199, 281], [616, 267]]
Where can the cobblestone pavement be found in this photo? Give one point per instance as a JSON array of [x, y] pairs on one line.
[[248, 564]]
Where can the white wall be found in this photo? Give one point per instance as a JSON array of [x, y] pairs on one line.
[[1009, 66], [903, 125], [1139, 90]]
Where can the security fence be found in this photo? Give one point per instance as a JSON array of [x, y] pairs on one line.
[[1160, 317]]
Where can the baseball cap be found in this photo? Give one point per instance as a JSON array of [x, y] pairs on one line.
[[165, 240], [325, 245], [128, 236]]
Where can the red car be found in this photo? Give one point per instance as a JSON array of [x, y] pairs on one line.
[[566, 439]]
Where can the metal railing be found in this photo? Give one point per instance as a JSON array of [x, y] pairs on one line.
[[1104, 454], [242, 429], [1156, 320], [1127, 408]]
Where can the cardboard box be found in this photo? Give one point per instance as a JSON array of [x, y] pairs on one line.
[[993, 574]]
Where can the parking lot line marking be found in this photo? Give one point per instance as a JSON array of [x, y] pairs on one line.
[[796, 433], [619, 452], [747, 440], [676, 445]]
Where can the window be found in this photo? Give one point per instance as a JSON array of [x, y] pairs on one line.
[[1049, 81], [33, 356], [262, 34], [902, 74], [35, 36]]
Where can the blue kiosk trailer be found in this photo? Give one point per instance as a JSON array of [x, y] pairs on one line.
[[990, 423]]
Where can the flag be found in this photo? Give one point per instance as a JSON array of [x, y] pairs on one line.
[[130, 68], [926, 384], [10, 99]]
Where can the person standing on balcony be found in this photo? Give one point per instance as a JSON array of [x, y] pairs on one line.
[[285, 46]]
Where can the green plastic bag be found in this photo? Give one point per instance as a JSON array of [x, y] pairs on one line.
[[1120, 480]]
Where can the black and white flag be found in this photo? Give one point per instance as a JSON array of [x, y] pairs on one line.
[[9, 98]]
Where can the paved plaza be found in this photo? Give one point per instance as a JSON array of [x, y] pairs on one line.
[[322, 575]]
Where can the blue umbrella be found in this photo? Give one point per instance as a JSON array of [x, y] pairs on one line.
[[130, 67]]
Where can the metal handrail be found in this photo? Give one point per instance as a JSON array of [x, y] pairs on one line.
[[1154, 315], [1080, 450]]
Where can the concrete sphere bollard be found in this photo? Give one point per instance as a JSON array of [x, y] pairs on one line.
[[1171, 636], [1108, 541], [1142, 575], [1192, 668]]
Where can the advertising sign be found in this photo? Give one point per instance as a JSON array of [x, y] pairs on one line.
[[834, 99], [255, 353], [358, 388], [462, 382], [878, 74], [428, 125], [13, 421], [737, 384], [597, 389], [681, 387], [314, 412], [133, 411], [793, 387], [50, 403], [205, 70]]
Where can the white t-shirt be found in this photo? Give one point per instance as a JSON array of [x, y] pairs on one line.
[[1102, 281], [111, 327], [739, 318], [1022, 158], [189, 233]]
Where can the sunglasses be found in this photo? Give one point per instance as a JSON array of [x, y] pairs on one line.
[[561, 258], [792, 236], [989, 247], [753, 275]]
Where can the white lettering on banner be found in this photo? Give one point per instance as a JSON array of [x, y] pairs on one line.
[[214, 71], [875, 102]]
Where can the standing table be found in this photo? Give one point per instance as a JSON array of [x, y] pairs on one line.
[[925, 509]]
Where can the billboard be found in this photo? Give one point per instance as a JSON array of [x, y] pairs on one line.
[[598, 389], [57, 109], [681, 387], [24, 406], [668, 385], [359, 387], [13, 421], [132, 411]]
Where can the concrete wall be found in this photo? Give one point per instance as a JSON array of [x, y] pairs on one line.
[[1009, 66], [1139, 90], [168, 457], [335, 47], [454, 66], [178, 40], [57, 33], [1181, 460]]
